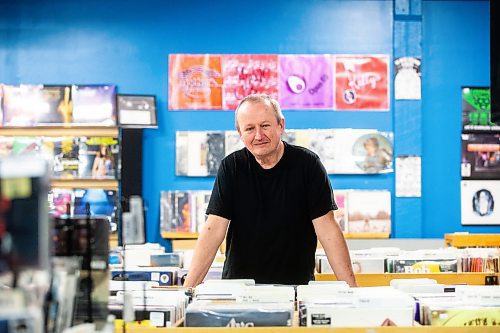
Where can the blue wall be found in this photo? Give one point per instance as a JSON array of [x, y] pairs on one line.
[[127, 43]]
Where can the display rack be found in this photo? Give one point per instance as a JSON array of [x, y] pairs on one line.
[[472, 240], [384, 279]]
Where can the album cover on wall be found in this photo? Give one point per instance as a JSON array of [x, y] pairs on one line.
[[63, 151], [192, 153], [479, 202], [341, 213], [289, 136], [353, 151], [21, 104], [362, 82], [94, 105], [476, 110], [57, 105], [175, 211], [98, 157], [246, 74], [59, 199], [232, 142], [306, 82], [323, 142], [480, 156], [216, 151], [369, 211], [194, 82]]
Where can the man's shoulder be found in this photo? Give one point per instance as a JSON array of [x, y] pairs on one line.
[[236, 157]]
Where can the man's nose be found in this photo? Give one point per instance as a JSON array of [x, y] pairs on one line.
[[258, 134]]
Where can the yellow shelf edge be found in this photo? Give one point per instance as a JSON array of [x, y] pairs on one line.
[[59, 131], [179, 235], [110, 184], [367, 235], [384, 279]]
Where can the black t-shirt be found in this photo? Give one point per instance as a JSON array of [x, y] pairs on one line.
[[271, 237]]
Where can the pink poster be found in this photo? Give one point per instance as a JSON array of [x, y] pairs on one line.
[[362, 82], [306, 82], [194, 82], [246, 74]]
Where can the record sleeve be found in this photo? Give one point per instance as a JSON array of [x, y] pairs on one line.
[[98, 157], [232, 142], [64, 152], [94, 105], [306, 82], [194, 82], [246, 74], [362, 82], [476, 110], [216, 151], [479, 202], [22, 104], [58, 107], [480, 156], [369, 211]]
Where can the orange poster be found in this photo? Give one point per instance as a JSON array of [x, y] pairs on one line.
[[194, 82]]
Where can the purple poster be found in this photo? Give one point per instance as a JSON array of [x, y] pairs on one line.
[[306, 82]]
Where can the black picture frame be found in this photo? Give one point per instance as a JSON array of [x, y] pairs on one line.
[[136, 111]]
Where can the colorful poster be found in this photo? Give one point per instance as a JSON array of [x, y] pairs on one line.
[[480, 156], [194, 82], [362, 82], [98, 157], [476, 110], [306, 82], [57, 105], [246, 74]]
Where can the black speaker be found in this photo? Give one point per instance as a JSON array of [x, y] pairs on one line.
[[495, 60], [131, 164]]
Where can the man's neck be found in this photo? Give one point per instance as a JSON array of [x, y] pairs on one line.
[[269, 161]]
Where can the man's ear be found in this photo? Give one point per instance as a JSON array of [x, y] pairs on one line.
[[282, 124]]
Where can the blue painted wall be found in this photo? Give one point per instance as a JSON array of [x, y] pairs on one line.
[[127, 43]]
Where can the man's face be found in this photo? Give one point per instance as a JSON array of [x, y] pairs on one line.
[[259, 129]]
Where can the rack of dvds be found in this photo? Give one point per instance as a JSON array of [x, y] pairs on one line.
[[145, 329]]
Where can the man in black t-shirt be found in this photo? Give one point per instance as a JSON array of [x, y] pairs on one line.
[[275, 201]]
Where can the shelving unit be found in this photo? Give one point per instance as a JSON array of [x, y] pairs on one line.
[[194, 235]]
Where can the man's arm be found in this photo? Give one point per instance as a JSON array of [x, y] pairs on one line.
[[331, 238], [210, 239]]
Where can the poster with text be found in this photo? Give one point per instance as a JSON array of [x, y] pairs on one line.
[[246, 74], [480, 156], [194, 82], [362, 82], [306, 82]]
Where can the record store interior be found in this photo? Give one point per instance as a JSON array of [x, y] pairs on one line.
[[292, 165]]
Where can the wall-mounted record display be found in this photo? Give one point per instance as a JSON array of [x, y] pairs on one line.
[[137, 111]]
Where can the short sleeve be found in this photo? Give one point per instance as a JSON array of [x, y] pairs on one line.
[[319, 190], [221, 199]]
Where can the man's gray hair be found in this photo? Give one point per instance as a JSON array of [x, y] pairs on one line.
[[260, 98]]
